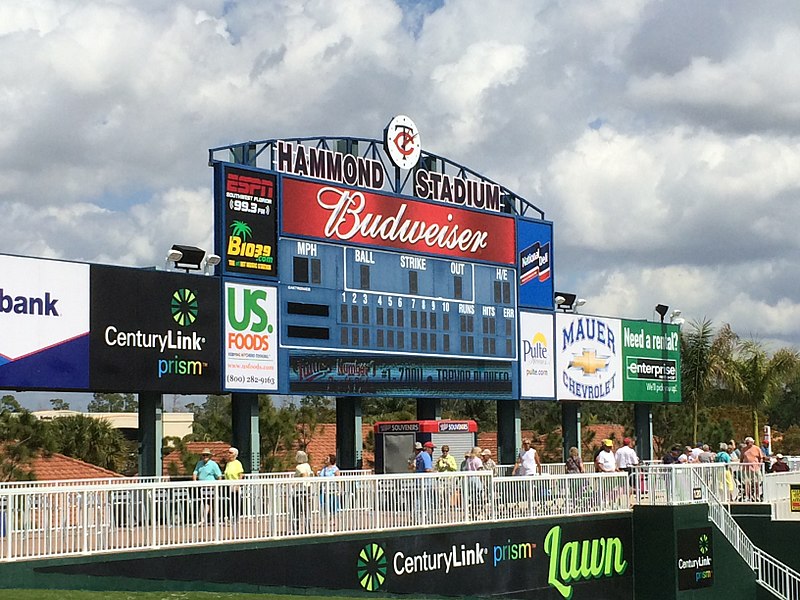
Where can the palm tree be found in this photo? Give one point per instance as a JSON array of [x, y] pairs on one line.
[[760, 376], [706, 363], [91, 440]]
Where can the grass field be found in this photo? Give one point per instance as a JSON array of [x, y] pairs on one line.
[[81, 595]]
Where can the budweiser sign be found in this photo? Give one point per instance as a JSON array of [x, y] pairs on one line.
[[340, 214]]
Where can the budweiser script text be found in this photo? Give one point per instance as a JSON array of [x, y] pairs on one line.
[[348, 220]]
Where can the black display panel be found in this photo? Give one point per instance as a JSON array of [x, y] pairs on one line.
[[154, 331], [399, 375]]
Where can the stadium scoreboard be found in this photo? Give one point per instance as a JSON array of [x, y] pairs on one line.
[[377, 290]]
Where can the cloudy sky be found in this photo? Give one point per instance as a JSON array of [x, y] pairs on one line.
[[661, 138]]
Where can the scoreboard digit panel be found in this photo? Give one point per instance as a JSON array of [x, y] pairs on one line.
[[337, 297]]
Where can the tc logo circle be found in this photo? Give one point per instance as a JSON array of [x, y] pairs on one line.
[[402, 142]]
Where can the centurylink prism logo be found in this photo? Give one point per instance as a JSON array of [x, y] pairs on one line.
[[372, 567], [184, 307], [183, 310], [588, 348]]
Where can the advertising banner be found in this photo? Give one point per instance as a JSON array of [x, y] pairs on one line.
[[695, 558], [535, 244], [44, 324], [794, 497], [537, 356], [251, 337], [651, 362], [424, 377], [248, 203], [338, 214], [154, 331], [587, 559], [588, 358]]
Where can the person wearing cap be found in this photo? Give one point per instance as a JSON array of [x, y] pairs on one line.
[[626, 456], [780, 465], [488, 463], [446, 463], [423, 463], [301, 510], [206, 470], [605, 462], [673, 456], [412, 461]]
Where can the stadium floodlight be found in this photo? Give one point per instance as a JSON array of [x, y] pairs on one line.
[[188, 258], [568, 302]]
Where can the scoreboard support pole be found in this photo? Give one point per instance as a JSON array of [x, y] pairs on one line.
[[643, 429], [509, 431], [570, 427], [151, 433], [349, 442], [244, 425], [429, 409]]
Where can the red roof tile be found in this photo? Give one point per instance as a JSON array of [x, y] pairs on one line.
[[58, 467], [219, 453]]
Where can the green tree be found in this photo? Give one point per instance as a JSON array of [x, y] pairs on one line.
[[784, 411], [23, 438], [113, 403], [212, 419], [278, 429], [707, 362], [59, 404], [91, 440], [383, 408], [761, 377], [9, 403]]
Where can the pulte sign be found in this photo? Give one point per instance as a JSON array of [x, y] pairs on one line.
[[154, 331]]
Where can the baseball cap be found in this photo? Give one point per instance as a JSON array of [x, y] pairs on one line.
[[486, 452], [205, 451], [430, 445], [608, 443], [417, 446], [626, 441], [779, 456]]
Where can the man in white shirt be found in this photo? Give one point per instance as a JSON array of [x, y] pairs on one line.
[[626, 456], [528, 462], [604, 462]]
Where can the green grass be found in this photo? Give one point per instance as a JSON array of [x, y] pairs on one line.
[[82, 595]]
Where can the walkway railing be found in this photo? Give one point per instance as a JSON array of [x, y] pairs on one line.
[[687, 483], [52, 521]]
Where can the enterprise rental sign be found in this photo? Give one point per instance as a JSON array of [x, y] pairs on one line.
[[613, 360], [154, 331]]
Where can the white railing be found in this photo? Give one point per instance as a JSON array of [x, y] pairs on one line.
[[290, 474], [682, 484], [730, 482], [44, 522]]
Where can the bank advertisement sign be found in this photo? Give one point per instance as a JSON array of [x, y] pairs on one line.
[[695, 558], [588, 358], [44, 324], [251, 337], [651, 362], [537, 356], [535, 244], [154, 331], [247, 200]]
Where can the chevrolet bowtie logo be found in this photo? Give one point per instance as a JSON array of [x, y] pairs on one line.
[[589, 362]]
